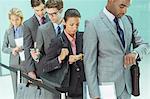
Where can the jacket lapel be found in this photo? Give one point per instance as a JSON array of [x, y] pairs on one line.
[[51, 31], [78, 43], [67, 42], [110, 26], [126, 30], [12, 36]]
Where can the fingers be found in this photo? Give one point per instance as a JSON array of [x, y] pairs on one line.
[[130, 59], [32, 75], [72, 59], [64, 53]]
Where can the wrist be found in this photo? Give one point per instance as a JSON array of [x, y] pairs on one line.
[[136, 54]]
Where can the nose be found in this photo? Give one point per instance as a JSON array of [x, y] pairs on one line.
[[75, 28], [124, 10]]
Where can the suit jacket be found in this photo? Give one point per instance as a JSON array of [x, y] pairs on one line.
[[30, 28], [52, 63], [8, 44], [45, 34], [104, 52]]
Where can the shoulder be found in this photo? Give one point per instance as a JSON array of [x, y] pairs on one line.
[[30, 21], [8, 31], [80, 34], [46, 26]]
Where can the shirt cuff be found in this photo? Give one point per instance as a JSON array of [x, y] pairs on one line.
[[59, 60], [136, 54]]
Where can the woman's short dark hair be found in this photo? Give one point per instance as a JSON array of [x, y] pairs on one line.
[[35, 3], [54, 4], [72, 12]]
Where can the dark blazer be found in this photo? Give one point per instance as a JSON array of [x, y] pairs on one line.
[[30, 28], [8, 44], [76, 69], [45, 34]]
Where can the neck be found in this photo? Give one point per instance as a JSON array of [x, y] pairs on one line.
[[72, 35], [109, 9]]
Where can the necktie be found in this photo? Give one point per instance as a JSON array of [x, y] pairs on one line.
[[120, 32], [43, 20], [58, 30]]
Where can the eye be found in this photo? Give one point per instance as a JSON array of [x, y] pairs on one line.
[[71, 24], [121, 7]]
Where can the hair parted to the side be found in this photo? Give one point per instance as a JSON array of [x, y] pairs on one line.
[[54, 4], [16, 12], [71, 12], [35, 3]]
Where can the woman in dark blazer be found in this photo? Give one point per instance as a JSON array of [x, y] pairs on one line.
[[12, 43], [67, 48]]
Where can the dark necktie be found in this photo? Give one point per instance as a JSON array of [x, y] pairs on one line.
[[120, 32], [58, 30], [43, 20]]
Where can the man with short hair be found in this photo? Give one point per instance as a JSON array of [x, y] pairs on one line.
[[30, 27], [48, 31], [107, 49]]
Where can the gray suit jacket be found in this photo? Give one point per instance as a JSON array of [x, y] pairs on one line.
[[45, 34], [30, 28], [8, 44], [103, 53]]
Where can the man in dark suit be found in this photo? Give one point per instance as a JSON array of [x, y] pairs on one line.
[[52, 28], [48, 31], [30, 27], [108, 54], [67, 48]]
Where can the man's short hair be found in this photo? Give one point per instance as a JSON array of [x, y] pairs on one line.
[[54, 4], [35, 3]]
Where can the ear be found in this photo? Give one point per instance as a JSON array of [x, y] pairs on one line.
[[61, 10], [63, 22]]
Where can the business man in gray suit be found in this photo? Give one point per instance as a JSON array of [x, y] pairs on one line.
[[107, 49], [30, 28], [49, 31]]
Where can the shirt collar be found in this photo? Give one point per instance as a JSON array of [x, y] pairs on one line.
[[71, 39], [56, 25], [39, 18], [109, 15], [18, 28]]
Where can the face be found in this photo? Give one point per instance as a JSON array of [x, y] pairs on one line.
[[72, 25], [15, 20], [39, 10], [119, 7], [54, 14]]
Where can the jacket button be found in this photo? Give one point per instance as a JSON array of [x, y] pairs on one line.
[[78, 69]]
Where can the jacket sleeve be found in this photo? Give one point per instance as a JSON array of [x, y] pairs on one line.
[[140, 46], [6, 44], [28, 44], [90, 50], [52, 54]]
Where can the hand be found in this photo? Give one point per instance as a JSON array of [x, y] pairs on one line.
[[129, 59], [35, 54], [73, 58], [16, 50], [80, 56], [32, 75], [63, 54]]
